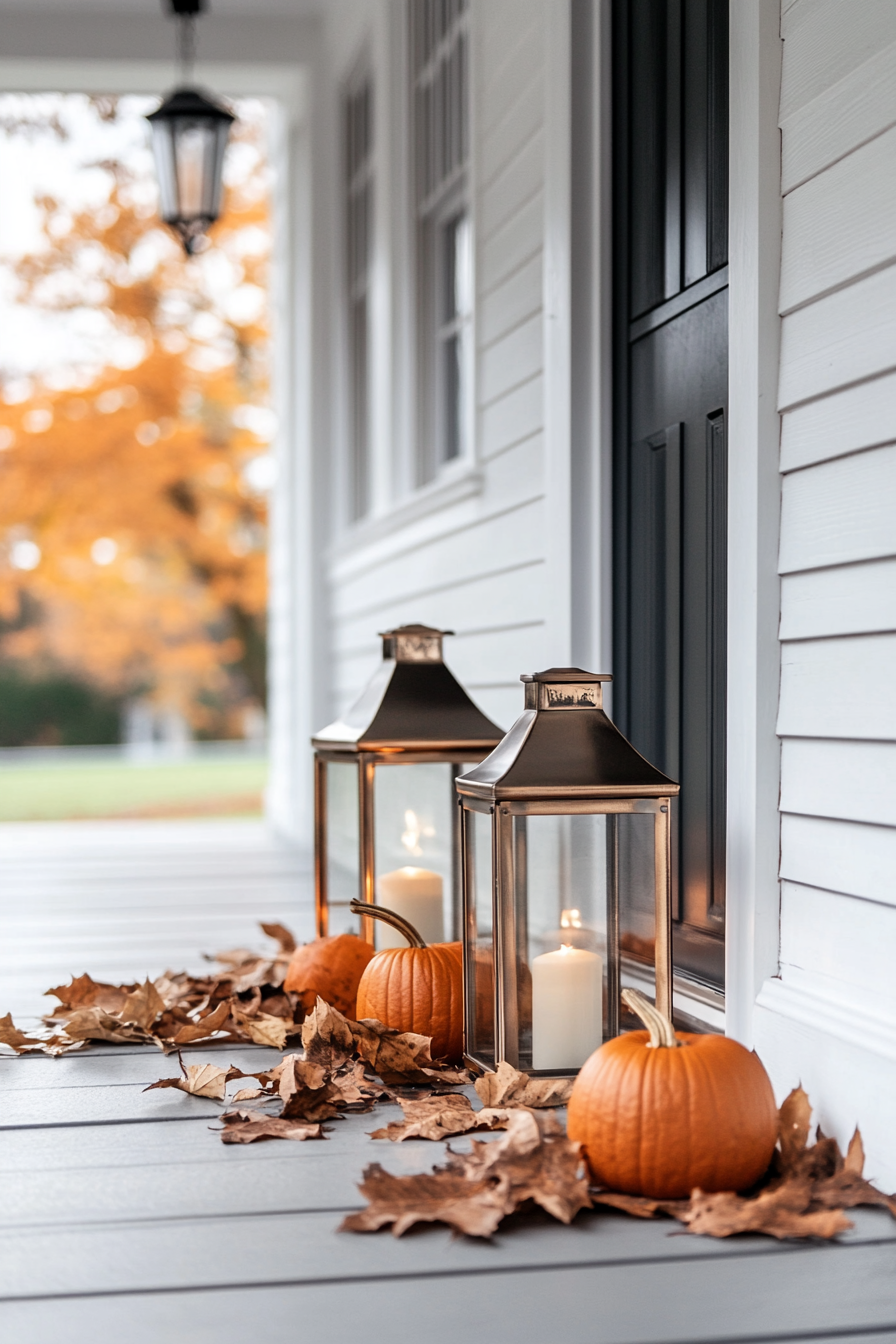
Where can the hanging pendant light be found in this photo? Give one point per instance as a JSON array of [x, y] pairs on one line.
[[189, 133]]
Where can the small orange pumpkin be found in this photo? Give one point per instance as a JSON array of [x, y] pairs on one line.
[[659, 1114], [417, 988], [329, 967]]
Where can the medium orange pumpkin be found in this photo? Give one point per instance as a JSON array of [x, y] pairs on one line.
[[660, 1113], [417, 988], [329, 967]]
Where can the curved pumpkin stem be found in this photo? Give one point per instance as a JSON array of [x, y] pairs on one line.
[[662, 1033], [388, 917]]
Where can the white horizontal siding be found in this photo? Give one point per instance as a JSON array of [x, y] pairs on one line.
[[844, 856], [855, 781], [839, 511], [825, 40], [843, 945], [512, 244], [512, 359], [516, 298], [841, 224], [844, 422], [839, 688], [849, 600], [842, 338], [516, 183]]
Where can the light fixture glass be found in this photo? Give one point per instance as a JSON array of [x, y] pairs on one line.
[[189, 132]]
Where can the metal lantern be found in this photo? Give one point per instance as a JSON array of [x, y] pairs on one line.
[[189, 134], [566, 882], [385, 820]]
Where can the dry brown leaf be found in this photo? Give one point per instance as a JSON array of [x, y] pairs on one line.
[[142, 1007], [327, 1036], [84, 992], [793, 1129], [639, 1206], [282, 936], [95, 1024], [533, 1161], [205, 1027], [262, 1029], [783, 1212], [200, 1080], [440, 1117], [355, 1089], [508, 1087], [251, 1126], [248, 1094], [398, 1057], [17, 1040]]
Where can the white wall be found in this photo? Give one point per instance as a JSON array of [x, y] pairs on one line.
[[829, 1019], [472, 553]]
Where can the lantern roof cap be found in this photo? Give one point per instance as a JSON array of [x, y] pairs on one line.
[[413, 702], [563, 746], [190, 102]]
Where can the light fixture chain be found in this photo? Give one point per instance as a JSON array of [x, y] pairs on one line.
[[186, 46]]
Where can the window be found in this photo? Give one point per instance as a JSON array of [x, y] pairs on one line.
[[439, 44], [358, 156]]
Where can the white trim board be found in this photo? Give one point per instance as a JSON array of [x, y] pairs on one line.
[[753, 511]]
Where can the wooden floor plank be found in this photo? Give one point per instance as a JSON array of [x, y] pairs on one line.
[[799, 1295]]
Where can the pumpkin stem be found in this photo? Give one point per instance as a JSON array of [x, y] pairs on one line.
[[662, 1033], [389, 917]]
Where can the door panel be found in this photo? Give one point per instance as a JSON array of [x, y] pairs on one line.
[[671, 392]]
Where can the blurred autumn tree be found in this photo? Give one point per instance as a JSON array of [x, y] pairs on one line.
[[132, 510]]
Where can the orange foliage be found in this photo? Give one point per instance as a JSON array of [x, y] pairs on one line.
[[149, 457]]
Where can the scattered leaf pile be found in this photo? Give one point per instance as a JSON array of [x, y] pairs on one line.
[[804, 1193], [533, 1162], [244, 1001]]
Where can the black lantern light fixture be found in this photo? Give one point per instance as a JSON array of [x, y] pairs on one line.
[[189, 133]]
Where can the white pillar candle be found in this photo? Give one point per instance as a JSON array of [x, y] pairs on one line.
[[567, 1007], [416, 895]]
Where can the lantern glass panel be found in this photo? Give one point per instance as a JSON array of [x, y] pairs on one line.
[[342, 844], [414, 807], [479, 939], [565, 869]]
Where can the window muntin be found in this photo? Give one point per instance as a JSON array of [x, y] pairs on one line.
[[439, 43]]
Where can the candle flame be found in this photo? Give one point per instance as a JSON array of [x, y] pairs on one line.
[[413, 830], [570, 919]]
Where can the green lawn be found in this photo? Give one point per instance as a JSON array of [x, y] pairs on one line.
[[58, 791]]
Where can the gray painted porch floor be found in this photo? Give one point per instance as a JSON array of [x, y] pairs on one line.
[[123, 1218]]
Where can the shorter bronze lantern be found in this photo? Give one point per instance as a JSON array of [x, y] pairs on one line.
[[385, 820], [566, 881]]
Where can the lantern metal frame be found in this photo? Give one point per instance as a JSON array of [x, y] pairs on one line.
[[413, 712], [187, 106], [562, 757]]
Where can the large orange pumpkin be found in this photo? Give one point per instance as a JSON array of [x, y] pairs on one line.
[[417, 988], [660, 1113], [331, 968]]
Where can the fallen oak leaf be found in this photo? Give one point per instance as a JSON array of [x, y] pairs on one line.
[[203, 1029], [248, 1094], [252, 1126], [539, 1163], [439, 1117], [639, 1206], [17, 1040], [282, 936], [794, 1119], [398, 1057], [84, 992], [508, 1087], [356, 1090], [782, 1213], [262, 1029]]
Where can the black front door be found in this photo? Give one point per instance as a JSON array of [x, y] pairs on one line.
[[670, 107]]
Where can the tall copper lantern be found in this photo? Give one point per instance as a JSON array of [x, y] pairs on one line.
[[385, 820], [566, 881]]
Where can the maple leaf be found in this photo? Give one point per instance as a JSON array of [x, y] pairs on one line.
[[304, 1089], [508, 1087], [327, 1036], [84, 992], [472, 1193], [251, 1126], [356, 1091], [200, 1080], [398, 1057], [142, 1007], [282, 936], [439, 1117]]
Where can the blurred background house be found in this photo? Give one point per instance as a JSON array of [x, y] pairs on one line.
[[585, 348]]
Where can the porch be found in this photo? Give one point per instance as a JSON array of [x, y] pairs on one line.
[[124, 1217]]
